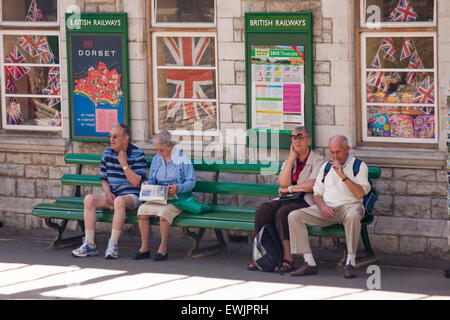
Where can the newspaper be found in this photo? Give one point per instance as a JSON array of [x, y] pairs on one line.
[[155, 193]]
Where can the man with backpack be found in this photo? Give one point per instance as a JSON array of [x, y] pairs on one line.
[[338, 198]]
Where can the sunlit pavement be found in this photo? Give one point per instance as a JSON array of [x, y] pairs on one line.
[[29, 270]]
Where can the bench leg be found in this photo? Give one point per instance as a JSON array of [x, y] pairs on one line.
[[59, 242], [343, 246], [196, 251]]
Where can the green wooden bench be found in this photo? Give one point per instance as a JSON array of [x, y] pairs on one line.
[[223, 217]]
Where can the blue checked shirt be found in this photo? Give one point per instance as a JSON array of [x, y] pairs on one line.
[[178, 170], [111, 170]]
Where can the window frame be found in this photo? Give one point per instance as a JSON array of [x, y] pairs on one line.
[[4, 95], [156, 99], [386, 24], [360, 95], [181, 24], [29, 24]]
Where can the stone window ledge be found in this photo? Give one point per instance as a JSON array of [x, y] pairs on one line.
[[16, 143], [402, 158]]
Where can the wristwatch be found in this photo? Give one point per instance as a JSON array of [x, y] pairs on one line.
[[125, 168], [290, 189]]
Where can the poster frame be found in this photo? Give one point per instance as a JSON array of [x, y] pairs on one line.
[[91, 30], [268, 35]]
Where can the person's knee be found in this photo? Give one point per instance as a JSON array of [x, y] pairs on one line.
[[262, 208], [355, 214], [294, 217], [89, 200], [120, 202]]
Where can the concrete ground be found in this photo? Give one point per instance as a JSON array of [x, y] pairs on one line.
[[29, 270]]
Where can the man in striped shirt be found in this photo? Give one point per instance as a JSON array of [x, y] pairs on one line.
[[123, 168]]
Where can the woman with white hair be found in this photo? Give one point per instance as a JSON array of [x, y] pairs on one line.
[[172, 168]]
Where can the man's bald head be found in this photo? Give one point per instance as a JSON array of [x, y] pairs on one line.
[[339, 148]]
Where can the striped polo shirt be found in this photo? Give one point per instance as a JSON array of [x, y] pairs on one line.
[[111, 170]]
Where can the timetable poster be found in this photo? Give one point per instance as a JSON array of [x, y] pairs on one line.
[[278, 74]]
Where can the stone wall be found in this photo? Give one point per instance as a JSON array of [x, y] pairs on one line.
[[411, 215]]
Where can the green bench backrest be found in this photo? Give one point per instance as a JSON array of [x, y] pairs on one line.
[[205, 165]]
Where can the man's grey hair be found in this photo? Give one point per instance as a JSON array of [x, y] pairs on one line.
[[164, 138], [124, 127], [302, 129], [342, 139]]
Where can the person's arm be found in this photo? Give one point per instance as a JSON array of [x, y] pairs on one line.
[[189, 175], [132, 176], [326, 211], [356, 189], [302, 187], [285, 176]]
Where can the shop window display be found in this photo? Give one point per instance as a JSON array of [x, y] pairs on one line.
[[31, 71], [398, 80]]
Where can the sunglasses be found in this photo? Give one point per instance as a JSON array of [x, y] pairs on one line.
[[113, 136], [298, 136]]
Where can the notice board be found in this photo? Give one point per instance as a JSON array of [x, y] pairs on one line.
[[97, 58], [279, 80]]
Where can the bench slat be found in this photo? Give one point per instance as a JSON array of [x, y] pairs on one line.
[[204, 165]]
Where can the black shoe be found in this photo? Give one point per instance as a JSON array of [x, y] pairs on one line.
[[160, 257], [141, 255], [349, 271]]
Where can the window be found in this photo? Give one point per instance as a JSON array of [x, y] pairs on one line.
[[398, 75], [185, 82], [184, 67], [30, 68], [178, 13]]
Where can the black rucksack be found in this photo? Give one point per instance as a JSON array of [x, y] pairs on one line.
[[370, 198], [267, 249]]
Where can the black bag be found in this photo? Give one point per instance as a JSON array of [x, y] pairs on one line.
[[267, 249], [297, 196]]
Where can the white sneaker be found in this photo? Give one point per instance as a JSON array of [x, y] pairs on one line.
[[85, 250], [112, 252]]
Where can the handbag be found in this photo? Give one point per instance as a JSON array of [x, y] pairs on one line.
[[294, 196]]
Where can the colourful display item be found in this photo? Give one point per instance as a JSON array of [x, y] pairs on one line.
[[378, 125], [424, 127], [401, 126]]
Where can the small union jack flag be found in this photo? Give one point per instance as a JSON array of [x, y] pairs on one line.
[[34, 13], [376, 79], [387, 45], [9, 83], [425, 92], [414, 63], [28, 44], [404, 12], [391, 17], [14, 115], [53, 74], [189, 83], [376, 64], [44, 53], [407, 48], [53, 89], [56, 120], [16, 57]]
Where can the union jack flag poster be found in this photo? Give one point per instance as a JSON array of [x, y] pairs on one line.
[[387, 45], [53, 89], [9, 83], [14, 115], [53, 74], [16, 56], [425, 92], [28, 44], [34, 13], [407, 48], [404, 12], [190, 83]]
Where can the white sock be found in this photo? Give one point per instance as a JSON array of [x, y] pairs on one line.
[[351, 259], [89, 236], [309, 259], [115, 234]]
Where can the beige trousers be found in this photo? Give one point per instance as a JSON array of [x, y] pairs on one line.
[[349, 215]]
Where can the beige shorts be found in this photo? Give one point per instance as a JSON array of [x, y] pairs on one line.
[[136, 201], [166, 211]]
